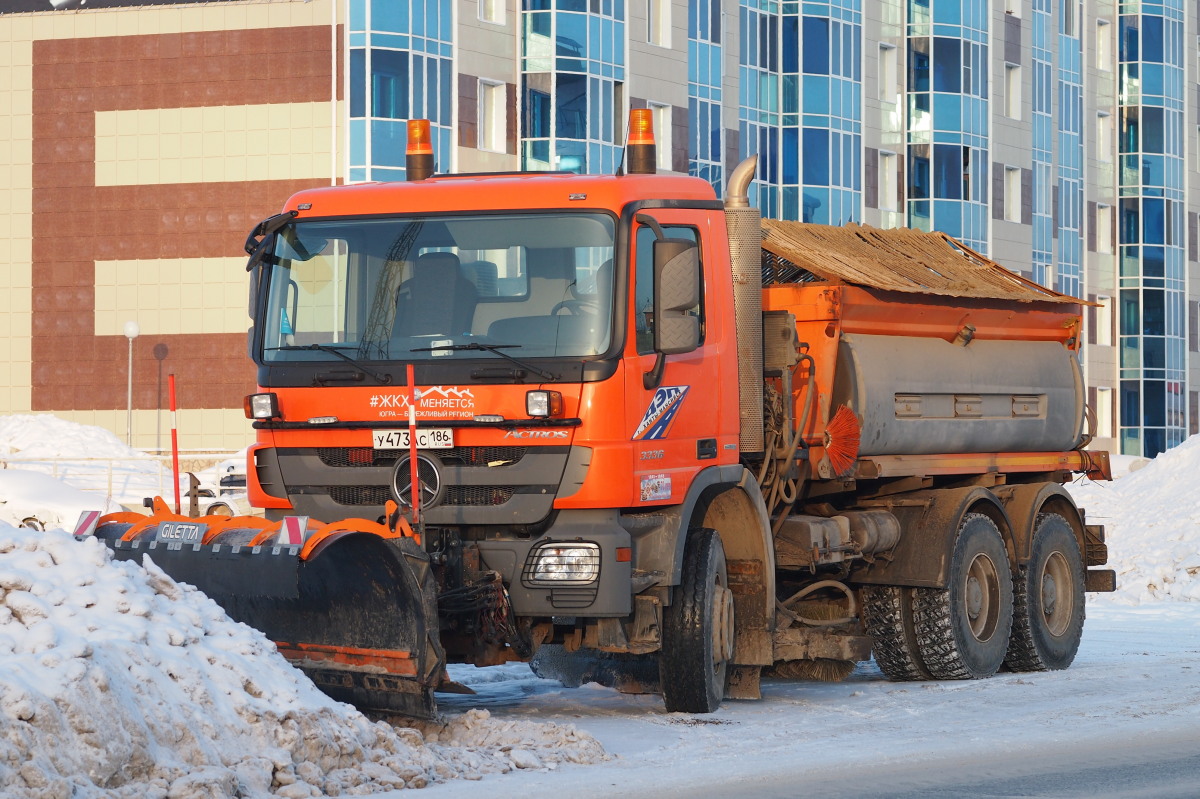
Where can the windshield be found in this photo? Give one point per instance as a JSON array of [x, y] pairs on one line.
[[416, 288]]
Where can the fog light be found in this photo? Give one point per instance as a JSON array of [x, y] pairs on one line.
[[543, 403], [262, 406], [562, 563]]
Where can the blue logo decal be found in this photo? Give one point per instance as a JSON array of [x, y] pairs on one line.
[[661, 413]]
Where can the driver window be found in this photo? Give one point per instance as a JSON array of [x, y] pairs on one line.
[[643, 294]]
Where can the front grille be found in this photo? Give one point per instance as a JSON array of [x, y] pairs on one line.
[[458, 456], [360, 495], [457, 496]]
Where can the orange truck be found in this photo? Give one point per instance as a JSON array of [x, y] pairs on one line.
[[618, 420]]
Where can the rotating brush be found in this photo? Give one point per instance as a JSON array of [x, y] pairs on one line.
[[842, 436]]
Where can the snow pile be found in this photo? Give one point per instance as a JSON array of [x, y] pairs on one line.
[[31, 495], [1152, 526], [82, 455], [116, 681]]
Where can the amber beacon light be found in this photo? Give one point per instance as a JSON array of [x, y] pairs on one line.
[[418, 159], [639, 149]]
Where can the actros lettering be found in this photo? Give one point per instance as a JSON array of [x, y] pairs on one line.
[[536, 434]]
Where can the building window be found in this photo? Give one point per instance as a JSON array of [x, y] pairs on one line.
[[1104, 137], [493, 116], [1103, 228], [1104, 412], [1103, 45], [888, 64], [1012, 91], [1104, 322], [492, 11], [662, 133], [1066, 17], [889, 179], [658, 22], [1012, 194]]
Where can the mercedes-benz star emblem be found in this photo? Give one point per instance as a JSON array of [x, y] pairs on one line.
[[429, 475]]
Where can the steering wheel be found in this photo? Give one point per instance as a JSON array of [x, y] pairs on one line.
[[576, 307]]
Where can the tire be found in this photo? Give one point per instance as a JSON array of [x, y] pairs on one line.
[[698, 629], [888, 616], [963, 629], [1048, 600], [33, 523]]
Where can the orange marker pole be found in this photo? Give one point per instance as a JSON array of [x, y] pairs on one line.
[[174, 440], [413, 395]]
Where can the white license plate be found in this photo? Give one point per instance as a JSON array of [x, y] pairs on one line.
[[427, 438]]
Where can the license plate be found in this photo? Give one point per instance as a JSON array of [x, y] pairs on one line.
[[427, 438]]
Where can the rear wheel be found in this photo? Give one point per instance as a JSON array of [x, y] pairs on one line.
[[698, 629], [1048, 600], [888, 616], [963, 629]]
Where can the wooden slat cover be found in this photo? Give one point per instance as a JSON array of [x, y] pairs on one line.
[[899, 259]]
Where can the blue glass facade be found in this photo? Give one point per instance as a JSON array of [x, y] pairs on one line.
[[706, 59], [948, 152], [1153, 312], [401, 68], [800, 107], [572, 85]]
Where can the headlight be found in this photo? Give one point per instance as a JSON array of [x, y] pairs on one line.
[[262, 406], [543, 403], [562, 563]]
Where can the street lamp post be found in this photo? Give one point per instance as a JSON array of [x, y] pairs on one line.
[[131, 332]]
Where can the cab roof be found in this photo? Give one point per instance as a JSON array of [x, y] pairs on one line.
[[496, 192]]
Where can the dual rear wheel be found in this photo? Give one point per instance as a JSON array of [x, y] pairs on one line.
[[987, 616]]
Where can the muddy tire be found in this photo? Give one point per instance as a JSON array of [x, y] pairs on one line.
[[698, 629], [888, 616], [963, 629], [1048, 600]]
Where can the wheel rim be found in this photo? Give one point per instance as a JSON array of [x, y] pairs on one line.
[[981, 594], [722, 627], [1057, 602]]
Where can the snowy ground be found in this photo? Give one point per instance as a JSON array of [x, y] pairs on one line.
[[116, 682]]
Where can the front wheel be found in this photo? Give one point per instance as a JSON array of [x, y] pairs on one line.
[[1048, 600], [698, 629]]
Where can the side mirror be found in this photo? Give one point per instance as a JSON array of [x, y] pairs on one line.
[[676, 295]]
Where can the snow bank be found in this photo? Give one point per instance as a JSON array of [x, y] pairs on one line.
[[116, 681], [85, 456], [1152, 525], [31, 495]]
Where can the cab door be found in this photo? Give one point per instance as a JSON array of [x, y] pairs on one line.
[[673, 421]]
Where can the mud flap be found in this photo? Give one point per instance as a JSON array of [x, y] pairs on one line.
[[359, 615]]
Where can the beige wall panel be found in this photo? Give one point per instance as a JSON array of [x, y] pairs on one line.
[[208, 430], [16, 215], [172, 296], [288, 141]]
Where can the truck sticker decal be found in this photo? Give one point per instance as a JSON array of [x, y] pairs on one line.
[[655, 486], [661, 413], [435, 402]]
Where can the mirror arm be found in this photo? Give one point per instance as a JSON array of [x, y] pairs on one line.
[[652, 223], [653, 378]]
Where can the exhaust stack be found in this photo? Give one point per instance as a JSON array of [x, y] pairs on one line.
[[745, 254]]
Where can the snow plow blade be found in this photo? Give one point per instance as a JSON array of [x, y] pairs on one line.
[[351, 603]]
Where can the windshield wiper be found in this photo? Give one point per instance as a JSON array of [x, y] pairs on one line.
[[332, 350], [492, 348]]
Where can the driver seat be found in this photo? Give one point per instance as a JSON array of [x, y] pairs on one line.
[[437, 299]]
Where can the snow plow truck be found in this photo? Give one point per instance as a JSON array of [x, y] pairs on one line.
[[619, 420]]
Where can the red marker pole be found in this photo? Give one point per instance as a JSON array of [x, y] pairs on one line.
[[174, 439], [413, 395]]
